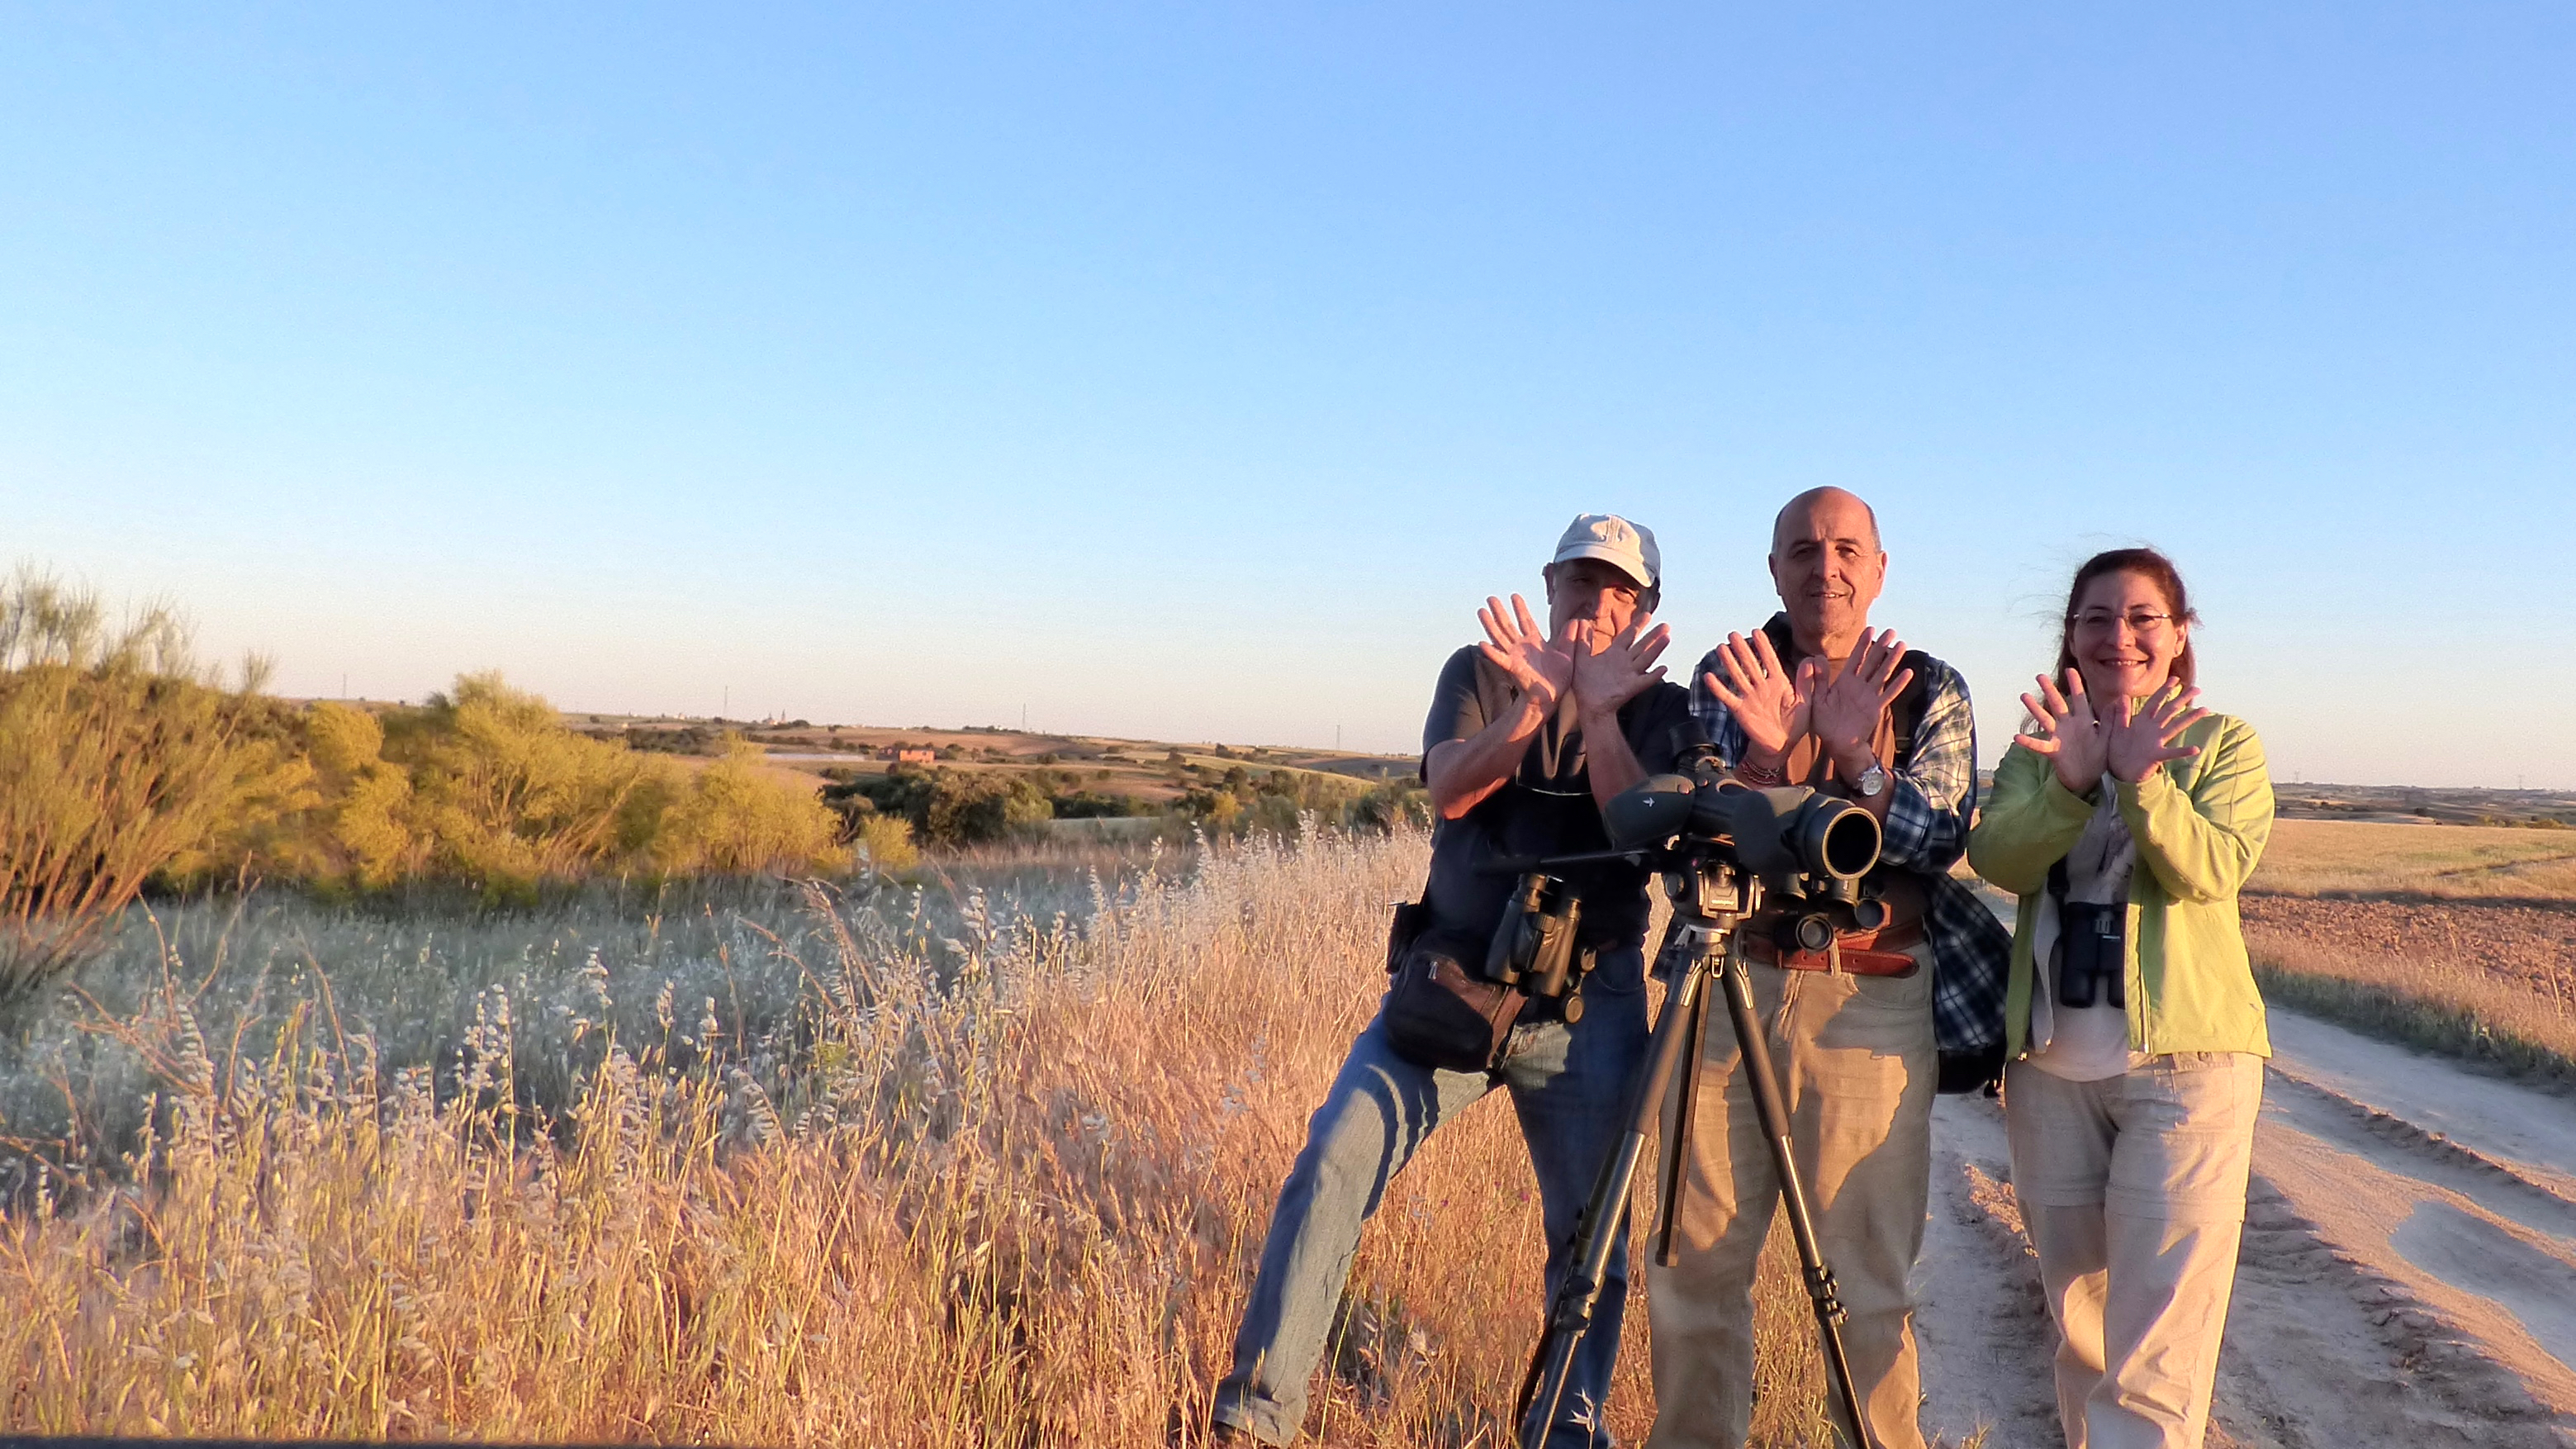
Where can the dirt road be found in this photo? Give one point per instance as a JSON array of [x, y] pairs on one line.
[[2408, 1275]]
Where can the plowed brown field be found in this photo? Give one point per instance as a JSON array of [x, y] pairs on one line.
[[2529, 944]]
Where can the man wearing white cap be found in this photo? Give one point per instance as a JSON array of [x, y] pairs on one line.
[[1530, 733]]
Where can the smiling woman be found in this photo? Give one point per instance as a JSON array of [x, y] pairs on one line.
[[2127, 818]]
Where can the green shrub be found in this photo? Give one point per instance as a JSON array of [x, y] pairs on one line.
[[487, 785], [508, 798], [951, 808], [1092, 805], [365, 838]]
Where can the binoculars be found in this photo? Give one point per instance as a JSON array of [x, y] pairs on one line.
[[2090, 963], [1533, 948]]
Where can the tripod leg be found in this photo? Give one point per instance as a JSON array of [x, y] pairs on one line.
[[1773, 1114], [1677, 1151], [1570, 1313]]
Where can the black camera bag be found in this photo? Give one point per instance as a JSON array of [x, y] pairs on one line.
[[1440, 1010]]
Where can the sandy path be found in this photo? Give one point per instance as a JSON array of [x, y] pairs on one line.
[[2408, 1275], [1983, 1327]]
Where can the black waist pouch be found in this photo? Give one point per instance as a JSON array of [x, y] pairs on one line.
[[1439, 1011]]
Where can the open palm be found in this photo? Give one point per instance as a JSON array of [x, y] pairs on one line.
[[1541, 666], [2065, 729], [2138, 742]]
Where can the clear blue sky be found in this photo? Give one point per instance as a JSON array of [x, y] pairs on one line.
[[1192, 371]]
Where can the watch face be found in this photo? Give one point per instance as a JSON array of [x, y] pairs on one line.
[[1873, 780]]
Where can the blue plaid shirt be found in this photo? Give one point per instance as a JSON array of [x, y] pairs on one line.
[[1935, 796]]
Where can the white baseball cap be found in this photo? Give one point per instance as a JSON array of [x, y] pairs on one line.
[[1615, 541]]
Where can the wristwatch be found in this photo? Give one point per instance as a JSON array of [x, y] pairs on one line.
[[1871, 781]]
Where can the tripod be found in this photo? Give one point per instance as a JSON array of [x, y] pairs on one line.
[[1710, 898]]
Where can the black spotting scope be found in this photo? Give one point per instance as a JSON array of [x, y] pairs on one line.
[[1791, 832]]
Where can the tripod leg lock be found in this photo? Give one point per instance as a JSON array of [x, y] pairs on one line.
[[1827, 1295]]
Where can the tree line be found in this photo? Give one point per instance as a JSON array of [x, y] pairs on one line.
[[946, 807]]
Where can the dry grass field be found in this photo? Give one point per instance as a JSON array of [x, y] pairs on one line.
[[2450, 863], [983, 1165], [2460, 939], [850, 1170]]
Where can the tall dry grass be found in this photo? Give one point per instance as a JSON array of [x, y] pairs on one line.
[[995, 1182], [2439, 1003]]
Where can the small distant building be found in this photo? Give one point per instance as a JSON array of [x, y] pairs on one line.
[[908, 754]]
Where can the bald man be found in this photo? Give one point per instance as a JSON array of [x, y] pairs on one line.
[[1859, 1033]]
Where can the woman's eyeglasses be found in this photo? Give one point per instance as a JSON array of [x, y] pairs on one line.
[[2101, 621]]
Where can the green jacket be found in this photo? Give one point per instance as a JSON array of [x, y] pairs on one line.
[[2200, 825]]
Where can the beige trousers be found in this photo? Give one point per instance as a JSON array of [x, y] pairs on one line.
[[2133, 1190], [1857, 1067]]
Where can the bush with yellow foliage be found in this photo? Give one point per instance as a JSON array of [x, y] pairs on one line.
[[487, 785], [124, 762], [120, 758]]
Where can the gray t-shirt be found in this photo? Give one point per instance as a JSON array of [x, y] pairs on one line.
[[1546, 808]]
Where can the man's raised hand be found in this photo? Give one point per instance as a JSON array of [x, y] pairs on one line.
[[2138, 743], [1621, 670], [1848, 706], [1541, 666], [1764, 697], [2067, 732]]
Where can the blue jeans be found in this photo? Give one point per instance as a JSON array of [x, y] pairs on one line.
[[1567, 1085]]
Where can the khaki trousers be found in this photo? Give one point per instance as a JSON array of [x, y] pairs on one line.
[[1857, 1069], [2133, 1190]]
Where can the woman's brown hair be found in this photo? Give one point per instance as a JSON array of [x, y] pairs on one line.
[[2156, 569]]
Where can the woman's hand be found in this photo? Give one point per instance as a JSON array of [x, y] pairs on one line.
[[1541, 666], [1766, 699], [2139, 743], [2068, 733]]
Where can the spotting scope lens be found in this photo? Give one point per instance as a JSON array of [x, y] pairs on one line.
[[1834, 837]]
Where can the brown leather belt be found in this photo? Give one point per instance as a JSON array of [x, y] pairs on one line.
[[1864, 953]]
